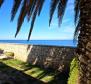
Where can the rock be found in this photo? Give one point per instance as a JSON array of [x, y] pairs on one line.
[[3, 57]]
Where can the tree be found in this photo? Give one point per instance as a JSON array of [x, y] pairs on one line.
[[32, 8]]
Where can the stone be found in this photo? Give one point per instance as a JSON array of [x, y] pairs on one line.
[[3, 57]]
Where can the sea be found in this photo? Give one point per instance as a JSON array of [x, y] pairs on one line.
[[66, 43]]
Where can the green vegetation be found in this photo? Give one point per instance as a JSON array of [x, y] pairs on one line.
[[73, 72], [9, 54], [28, 69]]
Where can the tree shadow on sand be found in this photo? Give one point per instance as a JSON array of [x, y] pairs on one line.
[[9, 75]]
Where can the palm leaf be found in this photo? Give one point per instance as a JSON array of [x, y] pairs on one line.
[[52, 9], [1, 2], [15, 8], [77, 30], [61, 9], [77, 19], [32, 24], [21, 17], [33, 18], [31, 10], [40, 7], [30, 3], [77, 3]]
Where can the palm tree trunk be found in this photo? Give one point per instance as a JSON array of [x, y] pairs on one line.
[[84, 43]]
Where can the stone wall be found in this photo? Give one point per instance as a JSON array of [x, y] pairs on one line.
[[20, 51], [44, 56]]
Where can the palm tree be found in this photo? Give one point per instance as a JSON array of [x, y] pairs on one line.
[[32, 8], [1, 2]]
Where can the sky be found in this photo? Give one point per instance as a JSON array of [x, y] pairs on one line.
[[41, 30]]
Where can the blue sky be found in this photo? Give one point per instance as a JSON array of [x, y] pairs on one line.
[[41, 30]]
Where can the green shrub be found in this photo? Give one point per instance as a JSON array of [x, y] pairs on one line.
[[73, 75], [9, 54]]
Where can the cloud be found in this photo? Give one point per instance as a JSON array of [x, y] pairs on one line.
[[71, 1], [70, 5], [54, 24], [66, 21], [68, 29]]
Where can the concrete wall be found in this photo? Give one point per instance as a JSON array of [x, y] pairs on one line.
[[44, 56]]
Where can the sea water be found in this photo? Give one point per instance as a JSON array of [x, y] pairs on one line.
[[68, 43]]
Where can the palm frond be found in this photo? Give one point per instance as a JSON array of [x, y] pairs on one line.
[[1, 2], [15, 8], [33, 18], [21, 17], [77, 30], [31, 9], [61, 9], [40, 7], [77, 3], [53, 6], [77, 19], [32, 24]]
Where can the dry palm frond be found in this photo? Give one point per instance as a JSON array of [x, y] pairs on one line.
[[15, 8], [1, 2]]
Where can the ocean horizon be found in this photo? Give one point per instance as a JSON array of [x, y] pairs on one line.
[[68, 43]]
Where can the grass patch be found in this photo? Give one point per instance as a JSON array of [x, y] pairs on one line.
[[73, 76], [28, 69]]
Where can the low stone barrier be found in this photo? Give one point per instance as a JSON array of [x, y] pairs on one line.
[[45, 56]]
